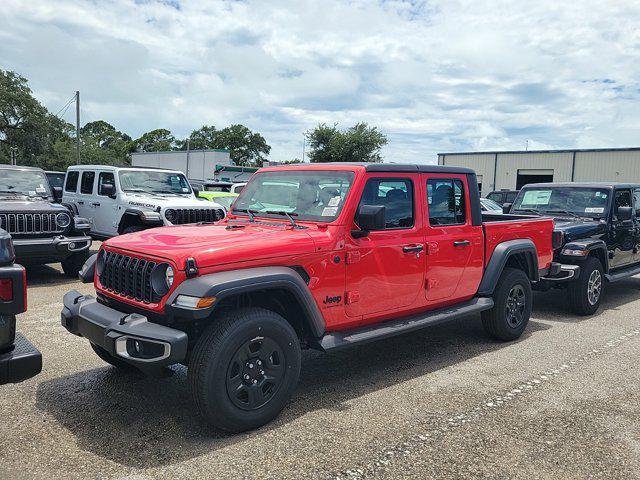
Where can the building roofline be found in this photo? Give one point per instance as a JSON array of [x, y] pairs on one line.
[[570, 150], [162, 152]]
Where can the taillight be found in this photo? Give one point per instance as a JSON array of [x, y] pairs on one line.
[[557, 239], [6, 289]]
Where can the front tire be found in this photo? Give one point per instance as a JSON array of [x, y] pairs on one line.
[[512, 306], [73, 264], [244, 368], [585, 293]]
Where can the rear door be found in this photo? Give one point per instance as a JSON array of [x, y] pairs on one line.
[[86, 196], [385, 269], [71, 184], [455, 247]]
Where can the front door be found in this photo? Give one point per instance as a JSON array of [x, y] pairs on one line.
[[455, 247], [385, 269], [105, 215], [623, 233]]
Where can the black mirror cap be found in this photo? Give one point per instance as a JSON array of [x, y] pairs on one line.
[[88, 269], [196, 191], [57, 194], [108, 190], [625, 213], [7, 253], [506, 207], [372, 217]]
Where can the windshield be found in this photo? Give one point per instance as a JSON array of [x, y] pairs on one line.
[[217, 188], [308, 195], [24, 182], [582, 201], [153, 182], [488, 204], [55, 179]]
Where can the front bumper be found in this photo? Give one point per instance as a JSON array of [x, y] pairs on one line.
[[118, 333], [561, 272], [20, 363], [49, 249]]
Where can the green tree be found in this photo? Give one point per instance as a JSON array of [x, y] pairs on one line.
[[157, 140], [360, 143], [246, 147], [201, 139], [103, 144]]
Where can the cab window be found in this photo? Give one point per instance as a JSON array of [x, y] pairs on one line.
[[396, 195], [445, 197], [71, 184], [622, 199], [86, 184], [105, 178]]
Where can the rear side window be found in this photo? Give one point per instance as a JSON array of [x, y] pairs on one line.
[[396, 195], [496, 197], [105, 178], [511, 196], [445, 197], [86, 185], [71, 185]]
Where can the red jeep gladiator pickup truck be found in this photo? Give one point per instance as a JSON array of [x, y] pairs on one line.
[[322, 256]]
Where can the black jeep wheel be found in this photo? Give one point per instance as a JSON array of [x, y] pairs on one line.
[[73, 264], [110, 359], [585, 293], [244, 368], [512, 306]]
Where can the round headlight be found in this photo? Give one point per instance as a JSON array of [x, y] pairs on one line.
[[168, 276], [63, 220], [100, 262], [162, 279], [170, 214]]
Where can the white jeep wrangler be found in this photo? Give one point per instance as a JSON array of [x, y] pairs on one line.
[[119, 200]]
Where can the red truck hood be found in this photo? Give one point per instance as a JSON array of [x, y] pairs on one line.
[[216, 244]]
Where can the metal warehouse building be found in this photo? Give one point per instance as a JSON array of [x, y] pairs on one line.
[[512, 170]]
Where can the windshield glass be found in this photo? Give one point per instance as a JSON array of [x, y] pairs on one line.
[[308, 195], [217, 188], [25, 182], [55, 179], [153, 182], [582, 201]]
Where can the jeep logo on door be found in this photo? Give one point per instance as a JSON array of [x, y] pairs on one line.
[[332, 300]]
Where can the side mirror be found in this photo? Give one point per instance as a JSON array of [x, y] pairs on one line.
[[196, 191], [370, 217], [506, 208], [57, 194], [625, 213], [109, 190]]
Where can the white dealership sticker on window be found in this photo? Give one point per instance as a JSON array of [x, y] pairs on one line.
[[329, 211], [536, 197], [334, 201], [594, 210]]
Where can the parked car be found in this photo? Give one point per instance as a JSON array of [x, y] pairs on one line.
[[489, 206], [121, 200], [503, 196], [227, 187], [56, 179], [600, 228], [43, 231], [19, 359], [237, 301], [221, 198]]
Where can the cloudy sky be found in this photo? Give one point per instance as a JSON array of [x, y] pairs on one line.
[[434, 76]]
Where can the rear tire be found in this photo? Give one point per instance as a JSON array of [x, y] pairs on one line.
[[73, 264], [585, 293], [512, 299], [110, 359], [244, 368]]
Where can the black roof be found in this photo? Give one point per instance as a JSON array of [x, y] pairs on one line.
[[583, 185], [399, 167]]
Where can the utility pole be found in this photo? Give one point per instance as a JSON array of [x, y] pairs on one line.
[[14, 154], [304, 142], [188, 151], [78, 125]]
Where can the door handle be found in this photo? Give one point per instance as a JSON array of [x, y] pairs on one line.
[[462, 243], [95, 204], [80, 202], [412, 248]]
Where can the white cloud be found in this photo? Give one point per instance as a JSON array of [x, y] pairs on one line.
[[434, 76]]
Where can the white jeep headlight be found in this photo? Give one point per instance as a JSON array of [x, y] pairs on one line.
[[168, 276]]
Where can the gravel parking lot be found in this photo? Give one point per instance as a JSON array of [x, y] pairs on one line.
[[563, 402]]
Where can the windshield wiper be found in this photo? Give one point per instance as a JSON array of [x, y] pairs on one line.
[[531, 210], [135, 190], [566, 212], [167, 191], [248, 211], [285, 214]]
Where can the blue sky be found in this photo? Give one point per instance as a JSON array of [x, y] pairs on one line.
[[434, 76]]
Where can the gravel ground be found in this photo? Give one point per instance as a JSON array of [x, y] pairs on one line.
[[563, 402]]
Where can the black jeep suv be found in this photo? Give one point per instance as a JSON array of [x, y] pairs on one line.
[[43, 231], [599, 229]]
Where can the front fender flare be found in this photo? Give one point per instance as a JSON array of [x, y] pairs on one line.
[[234, 282], [589, 244], [499, 259]]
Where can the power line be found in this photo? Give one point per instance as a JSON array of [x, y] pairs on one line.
[[66, 106]]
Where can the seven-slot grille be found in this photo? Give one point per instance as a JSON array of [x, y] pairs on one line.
[[194, 215], [29, 223], [129, 276]]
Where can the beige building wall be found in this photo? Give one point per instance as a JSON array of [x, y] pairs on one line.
[[510, 163], [481, 163], [621, 166]]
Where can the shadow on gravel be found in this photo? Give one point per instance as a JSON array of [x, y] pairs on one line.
[[142, 422], [553, 305], [51, 274]]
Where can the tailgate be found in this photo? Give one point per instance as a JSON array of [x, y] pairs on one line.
[[538, 230]]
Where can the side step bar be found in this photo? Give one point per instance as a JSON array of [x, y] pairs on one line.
[[390, 328], [622, 274]]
